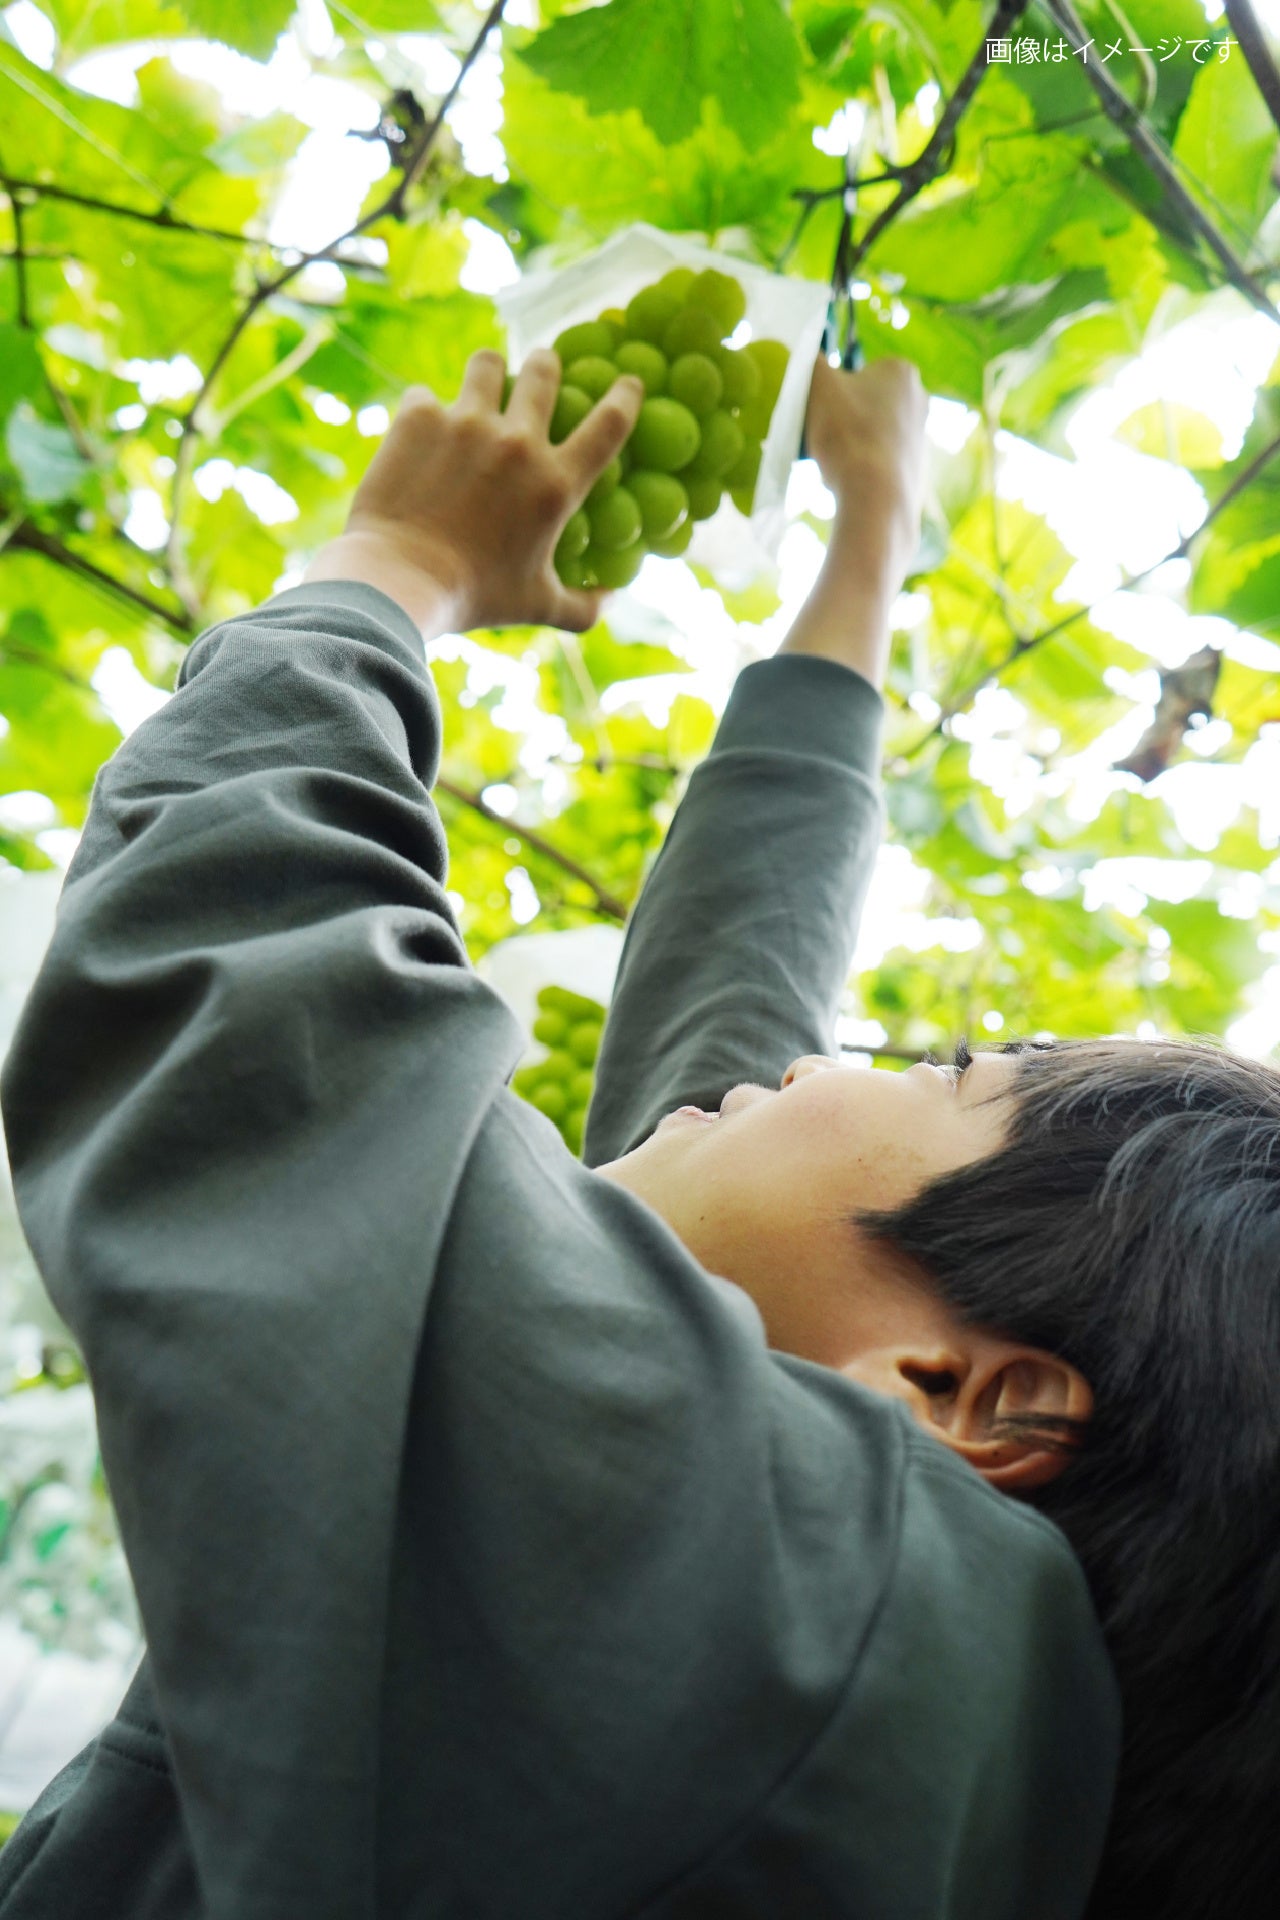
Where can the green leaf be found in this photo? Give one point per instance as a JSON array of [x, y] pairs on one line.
[[886, 36], [967, 346], [20, 850], [850, 38], [84, 25], [58, 736], [382, 345], [218, 528], [1216, 958], [1153, 21], [947, 347], [1236, 562], [691, 727], [185, 111], [664, 57], [1074, 356], [259, 146], [608, 660], [973, 240], [1239, 583], [1168, 430], [597, 173], [156, 301], [1249, 698], [425, 257], [1227, 141], [119, 154], [46, 457], [21, 375], [250, 26], [391, 16]]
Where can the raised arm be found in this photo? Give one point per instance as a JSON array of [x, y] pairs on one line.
[[742, 940], [417, 1429], [240, 1102]]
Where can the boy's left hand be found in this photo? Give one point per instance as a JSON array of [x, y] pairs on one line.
[[462, 506]]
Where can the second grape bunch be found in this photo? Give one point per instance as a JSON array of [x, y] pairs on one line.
[[706, 411], [569, 1026]]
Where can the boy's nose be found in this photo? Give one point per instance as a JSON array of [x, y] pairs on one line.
[[808, 1063]]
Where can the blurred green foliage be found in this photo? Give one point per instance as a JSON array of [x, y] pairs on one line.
[[1037, 264]]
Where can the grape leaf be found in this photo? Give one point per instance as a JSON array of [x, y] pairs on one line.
[[250, 26], [48, 463], [1155, 23], [601, 171], [259, 146], [389, 16], [84, 25], [1227, 141], [21, 376], [1168, 430], [665, 57], [57, 734]]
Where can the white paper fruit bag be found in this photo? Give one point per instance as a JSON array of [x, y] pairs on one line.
[[793, 311]]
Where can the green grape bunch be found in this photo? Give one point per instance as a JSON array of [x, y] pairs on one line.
[[699, 432], [569, 1026]]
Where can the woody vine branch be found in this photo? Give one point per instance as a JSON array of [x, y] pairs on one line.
[[391, 206]]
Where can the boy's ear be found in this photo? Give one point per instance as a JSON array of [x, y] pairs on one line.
[[961, 1389], [1009, 1382]]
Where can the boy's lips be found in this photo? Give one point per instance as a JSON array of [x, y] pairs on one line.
[[745, 1095]]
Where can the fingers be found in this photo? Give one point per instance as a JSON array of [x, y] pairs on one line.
[[574, 608], [905, 376], [533, 397], [889, 379], [824, 378], [417, 401], [481, 389], [908, 394], [592, 444]]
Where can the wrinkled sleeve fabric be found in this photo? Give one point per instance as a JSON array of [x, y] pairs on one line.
[[740, 945], [254, 1060], [489, 1561]]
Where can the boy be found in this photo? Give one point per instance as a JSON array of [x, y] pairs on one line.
[[517, 1536]]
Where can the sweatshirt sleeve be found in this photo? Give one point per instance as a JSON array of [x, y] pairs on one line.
[[488, 1559], [740, 945], [243, 1089]]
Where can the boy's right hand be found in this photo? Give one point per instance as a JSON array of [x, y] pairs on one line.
[[866, 432]]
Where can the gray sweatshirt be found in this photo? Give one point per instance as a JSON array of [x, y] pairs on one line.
[[492, 1566]]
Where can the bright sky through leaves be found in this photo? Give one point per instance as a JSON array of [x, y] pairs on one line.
[[1112, 506]]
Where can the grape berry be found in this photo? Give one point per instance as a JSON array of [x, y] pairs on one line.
[[698, 435], [568, 1025]]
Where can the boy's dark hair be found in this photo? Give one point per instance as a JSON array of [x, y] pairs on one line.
[[1131, 1224]]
